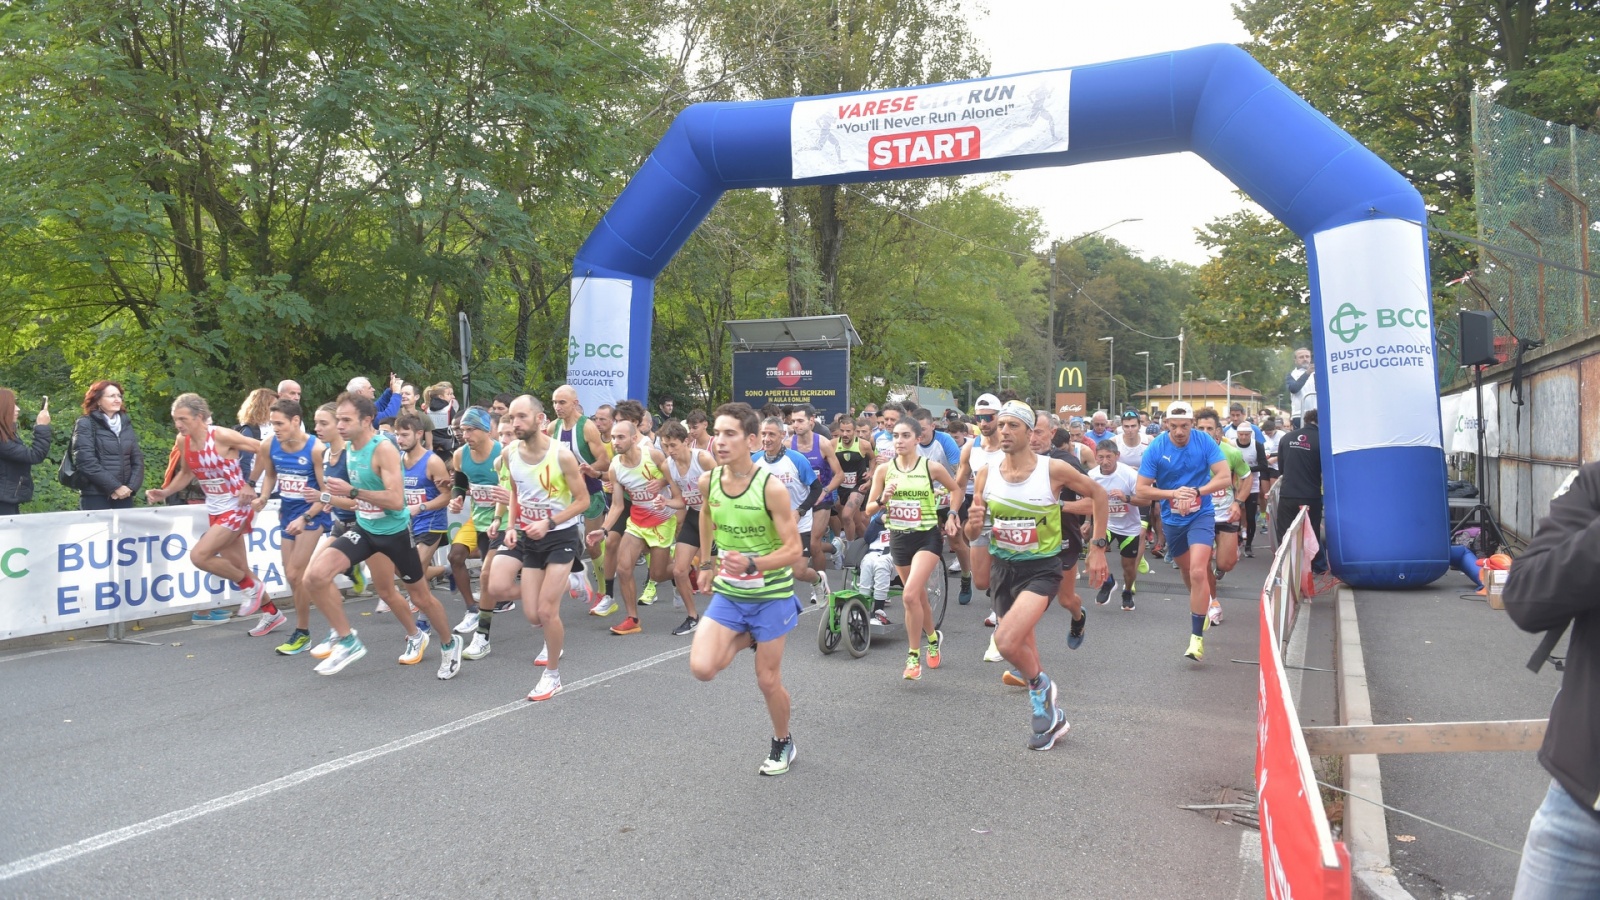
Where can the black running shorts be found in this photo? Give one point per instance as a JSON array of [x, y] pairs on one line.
[[358, 545], [905, 545], [1010, 578]]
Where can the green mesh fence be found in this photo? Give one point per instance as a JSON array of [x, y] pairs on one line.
[[1536, 187]]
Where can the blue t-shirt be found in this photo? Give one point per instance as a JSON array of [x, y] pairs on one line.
[[1172, 467]]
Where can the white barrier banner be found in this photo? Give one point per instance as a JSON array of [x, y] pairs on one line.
[[67, 570], [1012, 115]]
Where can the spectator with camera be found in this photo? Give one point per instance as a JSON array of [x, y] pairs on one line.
[[17, 458]]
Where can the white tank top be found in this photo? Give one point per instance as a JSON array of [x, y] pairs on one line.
[[978, 458], [689, 482], [1130, 456], [534, 483]]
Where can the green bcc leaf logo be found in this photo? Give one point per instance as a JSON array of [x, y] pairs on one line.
[[572, 350], [1346, 323]]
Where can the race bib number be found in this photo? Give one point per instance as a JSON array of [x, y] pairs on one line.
[[215, 487], [527, 515], [881, 542], [482, 494], [1118, 507], [941, 496], [905, 512], [367, 510], [292, 485], [691, 496], [849, 481], [641, 496], [1221, 496], [416, 497], [1016, 535], [743, 582]]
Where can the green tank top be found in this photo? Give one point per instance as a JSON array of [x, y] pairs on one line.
[[913, 507], [1027, 516], [368, 516], [742, 523], [481, 481]]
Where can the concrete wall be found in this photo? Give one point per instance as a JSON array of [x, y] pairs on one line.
[[1556, 429]]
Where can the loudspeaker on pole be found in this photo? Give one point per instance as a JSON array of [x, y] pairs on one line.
[[1477, 338]]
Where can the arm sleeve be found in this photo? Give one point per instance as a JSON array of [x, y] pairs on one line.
[[388, 404], [952, 450], [1557, 578], [1292, 384], [802, 466], [812, 496], [87, 458]]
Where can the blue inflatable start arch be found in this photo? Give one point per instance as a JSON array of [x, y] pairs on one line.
[[1362, 223]]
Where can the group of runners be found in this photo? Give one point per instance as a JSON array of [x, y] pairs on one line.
[[739, 505]]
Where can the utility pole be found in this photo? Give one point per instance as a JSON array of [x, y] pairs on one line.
[[1111, 386], [1146, 355]]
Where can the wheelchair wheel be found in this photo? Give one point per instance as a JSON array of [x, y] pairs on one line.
[[856, 627], [828, 640], [938, 593]]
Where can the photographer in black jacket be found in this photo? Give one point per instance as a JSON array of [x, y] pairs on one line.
[[1556, 584], [17, 459]]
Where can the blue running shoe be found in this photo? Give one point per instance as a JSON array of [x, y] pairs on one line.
[[1043, 699]]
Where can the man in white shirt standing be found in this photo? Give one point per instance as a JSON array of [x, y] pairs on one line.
[[1125, 526], [1301, 384]]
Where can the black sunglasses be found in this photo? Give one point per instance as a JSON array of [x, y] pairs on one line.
[[984, 417]]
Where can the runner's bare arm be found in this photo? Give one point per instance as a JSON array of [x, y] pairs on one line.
[[979, 509], [600, 450], [707, 569], [440, 476], [832, 459], [575, 483], [1063, 474], [875, 496], [964, 469], [265, 473]]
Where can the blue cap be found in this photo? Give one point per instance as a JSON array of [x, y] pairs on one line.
[[477, 417]]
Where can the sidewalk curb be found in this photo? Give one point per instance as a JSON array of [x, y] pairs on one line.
[[1366, 832]]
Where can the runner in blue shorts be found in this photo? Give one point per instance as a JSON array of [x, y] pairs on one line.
[[748, 518], [1182, 468]]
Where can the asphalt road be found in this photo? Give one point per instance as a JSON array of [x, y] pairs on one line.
[[1434, 656], [233, 772]]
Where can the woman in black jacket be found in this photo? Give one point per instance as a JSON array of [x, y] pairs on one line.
[[16, 458], [106, 451]]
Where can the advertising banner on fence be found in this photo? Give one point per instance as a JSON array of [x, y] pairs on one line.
[[1459, 413], [1298, 851], [818, 377], [60, 571], [1012, 115]]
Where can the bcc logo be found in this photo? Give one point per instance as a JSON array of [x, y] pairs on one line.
[[1346, 323], [9, 566]]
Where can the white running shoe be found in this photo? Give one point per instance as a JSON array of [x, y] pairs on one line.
[[252, 600], [469, 623], [993, 653], [955, 567], [605, 607], [478, 649], [1215, 612], [325, 649], [267, 622], [991, 621], [543, 659], [549, 685], [450, 658]]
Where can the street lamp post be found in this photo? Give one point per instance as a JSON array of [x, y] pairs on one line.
[[1232, 373], [1172, 378], [1146, 355], [919, 363], [1111, 379]]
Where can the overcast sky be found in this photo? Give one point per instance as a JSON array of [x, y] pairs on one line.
[[1171, 194]]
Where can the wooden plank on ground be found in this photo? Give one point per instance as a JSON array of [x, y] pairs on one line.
[[1426, 737]]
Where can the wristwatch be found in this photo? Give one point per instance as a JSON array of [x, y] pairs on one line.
[[354, 492], [750, 567], [325, 498], [308, 518], [1101, 542]]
